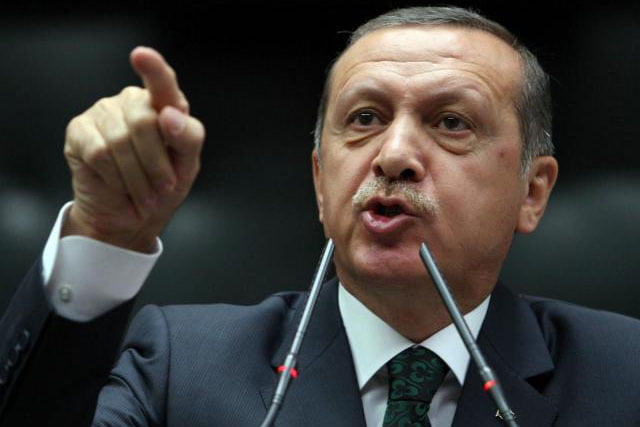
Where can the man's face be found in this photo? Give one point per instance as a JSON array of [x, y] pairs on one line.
[[431, 108]]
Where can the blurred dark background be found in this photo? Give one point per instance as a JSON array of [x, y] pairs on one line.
[[253, 74]]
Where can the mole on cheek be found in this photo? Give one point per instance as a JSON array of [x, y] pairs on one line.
[[508, 157], [504, 153]]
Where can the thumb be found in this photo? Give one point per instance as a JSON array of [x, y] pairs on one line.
[[184, 136]]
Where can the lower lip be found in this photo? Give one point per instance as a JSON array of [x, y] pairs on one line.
[[382, 225]]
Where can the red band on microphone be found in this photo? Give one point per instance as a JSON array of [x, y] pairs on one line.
[[293, 372], [489, 384]]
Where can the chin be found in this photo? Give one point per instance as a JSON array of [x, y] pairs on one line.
[[375, 264]]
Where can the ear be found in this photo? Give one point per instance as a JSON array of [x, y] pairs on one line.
[[540, 181], [317, 180]]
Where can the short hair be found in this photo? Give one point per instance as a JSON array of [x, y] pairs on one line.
[[533, 103]]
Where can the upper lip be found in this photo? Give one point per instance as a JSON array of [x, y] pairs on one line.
[[374, 202]]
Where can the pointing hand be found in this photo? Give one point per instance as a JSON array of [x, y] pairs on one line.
[[133, 158]]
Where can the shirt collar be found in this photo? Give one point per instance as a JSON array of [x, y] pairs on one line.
[[373, 342]]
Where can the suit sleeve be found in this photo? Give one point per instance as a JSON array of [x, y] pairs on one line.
[[51, 368], [137, 388]]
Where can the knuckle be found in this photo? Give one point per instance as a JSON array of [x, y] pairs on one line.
[[75, 135], [132, 97], [73, 127], [98, 157], [115, 135], [104, 104], [103, 109], [68, 152], [118, 140], [131, 91], [113, 129], [142, 121]]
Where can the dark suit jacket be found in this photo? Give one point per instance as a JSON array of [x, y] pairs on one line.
[[214, 365]]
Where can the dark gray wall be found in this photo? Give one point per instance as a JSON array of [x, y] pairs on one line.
[[253, 75]]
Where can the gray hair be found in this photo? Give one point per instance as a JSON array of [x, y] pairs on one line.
[[533, 104]]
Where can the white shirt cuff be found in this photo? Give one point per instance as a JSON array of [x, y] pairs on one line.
[[84, 278]]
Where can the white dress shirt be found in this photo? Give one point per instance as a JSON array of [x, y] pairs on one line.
[[373, 343], [85, 278]]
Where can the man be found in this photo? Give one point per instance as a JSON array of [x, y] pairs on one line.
[[434, 127]]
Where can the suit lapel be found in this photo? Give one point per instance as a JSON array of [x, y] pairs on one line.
[[326, 391], [515, 348]]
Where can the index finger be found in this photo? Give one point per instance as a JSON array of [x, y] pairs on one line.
[[159, 78]]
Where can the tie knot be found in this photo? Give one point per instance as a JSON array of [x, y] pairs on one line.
[[415, 374]]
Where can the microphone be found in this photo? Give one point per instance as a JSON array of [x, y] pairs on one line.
[[288, 369], [490, 379]]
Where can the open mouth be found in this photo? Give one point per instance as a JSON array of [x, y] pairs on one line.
[[386, 216], [388, 211]]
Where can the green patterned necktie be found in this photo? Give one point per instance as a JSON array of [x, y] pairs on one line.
[[414, 376]]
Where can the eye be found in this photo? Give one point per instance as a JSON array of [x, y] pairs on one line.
[[364, 118], [453, 123]]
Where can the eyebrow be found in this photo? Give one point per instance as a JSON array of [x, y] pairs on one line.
[[449, 90], [461, 92], [366, 89]]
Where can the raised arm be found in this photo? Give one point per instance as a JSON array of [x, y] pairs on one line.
[[133, 158]]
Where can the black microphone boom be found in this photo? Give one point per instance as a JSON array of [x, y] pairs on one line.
[[491, 383], [287, 370]]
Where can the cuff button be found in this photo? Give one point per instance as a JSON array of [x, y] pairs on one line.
[[64, 293]]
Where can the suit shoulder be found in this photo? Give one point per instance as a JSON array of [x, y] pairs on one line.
[[594, 332], [195, 325], [570, 313], [274, 305]]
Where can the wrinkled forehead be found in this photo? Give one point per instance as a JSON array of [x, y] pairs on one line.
[[415, 49]]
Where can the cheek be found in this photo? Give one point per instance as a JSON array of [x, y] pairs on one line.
[[485, 188], [344, 171], [499, 162], [336, 184], [508, 158], [508, 170]]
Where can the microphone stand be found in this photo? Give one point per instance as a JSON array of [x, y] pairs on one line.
[[490, 379], [288, 369]]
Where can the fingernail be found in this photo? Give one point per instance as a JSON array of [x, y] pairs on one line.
[[176, 121]]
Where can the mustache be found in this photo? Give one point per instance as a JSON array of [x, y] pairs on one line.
[[383, 185]]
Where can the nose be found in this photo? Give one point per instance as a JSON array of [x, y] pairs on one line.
[[401, 155]]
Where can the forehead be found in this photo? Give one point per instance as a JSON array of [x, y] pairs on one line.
[[426, 52]]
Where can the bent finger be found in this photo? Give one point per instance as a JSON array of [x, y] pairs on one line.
[[85, 143], [116, 135], [149, 145]]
